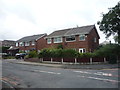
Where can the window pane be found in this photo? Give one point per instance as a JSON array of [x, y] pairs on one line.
[[49, 40], [82, 37], [57, 39], [17, 44], [70, 38]]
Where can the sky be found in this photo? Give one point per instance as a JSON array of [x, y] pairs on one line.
[[19, 18]]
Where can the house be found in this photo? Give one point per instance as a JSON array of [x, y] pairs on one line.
[[82, 39], [8, 43], [28, 43]]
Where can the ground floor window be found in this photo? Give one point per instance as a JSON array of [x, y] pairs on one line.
[[82, 50]]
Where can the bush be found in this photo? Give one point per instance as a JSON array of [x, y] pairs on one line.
[[111, 51], [58, 53], [44, 53], [87, 55], [32, 54], [70, 53]]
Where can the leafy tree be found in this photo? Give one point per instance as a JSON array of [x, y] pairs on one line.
[[110, 23]]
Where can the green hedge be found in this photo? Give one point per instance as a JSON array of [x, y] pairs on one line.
[[32, 54], [58, 53]]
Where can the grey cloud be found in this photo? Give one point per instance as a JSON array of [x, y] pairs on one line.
[[20, 9]]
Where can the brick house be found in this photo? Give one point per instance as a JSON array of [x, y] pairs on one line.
[[82, 39], [8, 43], [28, 43]]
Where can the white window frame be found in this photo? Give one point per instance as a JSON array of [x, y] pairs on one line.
[[21, 43], [27, 44], [83, 50], [81, 35], [16, 44], [57, 39], [49, 40], [70, 36], [33, 43]]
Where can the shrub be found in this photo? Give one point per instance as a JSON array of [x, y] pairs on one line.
[[69, 53], [32, 54], [87, 55], [111, 51], [45, 53], [58, 53]]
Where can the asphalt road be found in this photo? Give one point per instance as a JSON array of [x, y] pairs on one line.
[[29, 76]]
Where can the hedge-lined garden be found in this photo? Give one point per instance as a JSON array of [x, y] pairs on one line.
[[110, 51]]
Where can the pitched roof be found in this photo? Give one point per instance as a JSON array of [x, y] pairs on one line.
[[30, 38], [72, 31]]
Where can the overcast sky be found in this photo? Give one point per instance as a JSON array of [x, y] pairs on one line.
[[19, 18]]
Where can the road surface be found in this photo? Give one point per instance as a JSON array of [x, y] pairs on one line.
[[29, 76]]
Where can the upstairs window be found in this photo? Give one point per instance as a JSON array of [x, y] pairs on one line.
[[21, 44], [49, 40], [57, 39], [70, 38], [82, 37], [33, 43], [16, 44], [27, 43]]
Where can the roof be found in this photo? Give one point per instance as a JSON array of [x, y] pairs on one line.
[[31, 38], [72, 31]]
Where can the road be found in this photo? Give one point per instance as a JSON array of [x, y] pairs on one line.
[[29, 76]]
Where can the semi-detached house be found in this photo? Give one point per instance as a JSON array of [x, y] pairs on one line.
[[82, 39], [34, 42]]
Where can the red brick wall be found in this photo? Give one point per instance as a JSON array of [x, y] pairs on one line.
[[88, 44], [93, 45], [41, 43]]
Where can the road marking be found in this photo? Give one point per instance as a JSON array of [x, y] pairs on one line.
[[7, 84], [47, 72], [97, 73], [101, 79]]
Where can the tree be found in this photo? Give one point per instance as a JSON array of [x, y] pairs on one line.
[[110, 23]]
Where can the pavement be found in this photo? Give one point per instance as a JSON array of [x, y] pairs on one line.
[[66, 65]]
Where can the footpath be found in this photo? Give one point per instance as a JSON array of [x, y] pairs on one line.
[[67, 66]]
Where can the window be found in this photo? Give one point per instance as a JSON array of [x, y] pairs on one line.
[[21, 44], [82, 37], [95, 40], [49, 40], [57, 39], [82, 50], [17, 44], [70, 38], [33, 43], [27, 43]]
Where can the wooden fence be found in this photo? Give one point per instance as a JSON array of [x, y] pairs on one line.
[[70, 60]]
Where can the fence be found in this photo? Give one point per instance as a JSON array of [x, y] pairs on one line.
[[70, 60]]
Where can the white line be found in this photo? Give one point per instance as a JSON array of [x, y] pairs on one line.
[[101, 79], [47, 72], [98, 73], [104, 79], [7, 83], [83, 72]]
